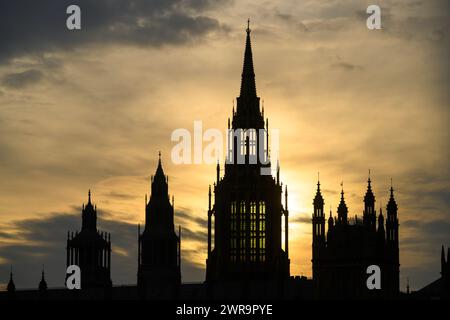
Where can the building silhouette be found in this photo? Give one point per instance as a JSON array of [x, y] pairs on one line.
[[247, 256], [247, 212], [341, 256], [90, 249], [159, 253]]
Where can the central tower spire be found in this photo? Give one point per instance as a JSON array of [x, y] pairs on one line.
[[248, 85]]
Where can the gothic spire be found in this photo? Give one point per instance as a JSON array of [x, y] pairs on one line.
[[330, 219], [43, 283], [89, 215], [369, 198], [342, 208], [248, 86], [392, 204], [11, 286], [318, 199], [159, 184]]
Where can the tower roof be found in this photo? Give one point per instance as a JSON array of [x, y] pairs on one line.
[[369, 198], [392, 204], [318, 199], [248, 84], [43, 283], [89, 215], [342, 208], [11, 286], [159, 184]]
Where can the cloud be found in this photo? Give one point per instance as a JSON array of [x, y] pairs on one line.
[[346, 66], [22, 79], [301, 219], [30, 243], [41, 28]]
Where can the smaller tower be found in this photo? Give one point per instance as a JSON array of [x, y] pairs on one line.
[[43, 284], [318, 220], [369, 214], [11, 288], [392, 243], [342, 209], [318, 223], [159, 275], [330, 221], [91, 250]]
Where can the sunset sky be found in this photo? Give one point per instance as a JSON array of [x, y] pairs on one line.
[[90, 109]]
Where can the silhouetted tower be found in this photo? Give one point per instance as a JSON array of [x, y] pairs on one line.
[[342, 210], [392, 243], [247, 210], [318, 224], [11, 287], [159, 258], [369, 214], [42, 285], [90, 250]]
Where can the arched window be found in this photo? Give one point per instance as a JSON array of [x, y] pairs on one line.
[[242, 229], [233, 231], [252, 141], [253, 231], [262, 230]]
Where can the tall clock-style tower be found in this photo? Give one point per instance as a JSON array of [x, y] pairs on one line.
[[247, 214]]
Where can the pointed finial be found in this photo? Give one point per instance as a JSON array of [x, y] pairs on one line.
[[248, 26], [318, 179], [89, 196], [407, 285], [369, 177]]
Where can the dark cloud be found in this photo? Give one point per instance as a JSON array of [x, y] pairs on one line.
[[346, 66], [199, 236], [437, 229], [424, 240], [42, 242], [301, 219], [120, 195], [22, 79], [186, 214], [36, 27]]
